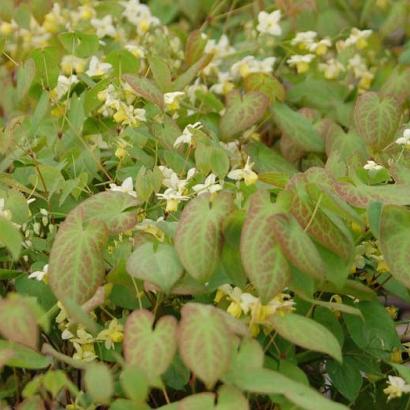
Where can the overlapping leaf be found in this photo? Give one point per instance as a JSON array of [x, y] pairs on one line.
[[297, 246], [242, 111], [307, 333], [117, 210], [205, 342], [298, 128], [145, 88], [198, 237], [262, 257], [376, 119], [395, 241], [17, 321], [76, 266], [158, 264]]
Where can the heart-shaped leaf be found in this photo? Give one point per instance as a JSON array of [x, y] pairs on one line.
[[395, 241], [262, 257], [297, 246], [205, 342], [115, 209], [377, 118], [158, 264], [147, 347], [297, 128], [17, 321], [198, 238], [242, 112], [307, 333], [145, 88], [76, 265]]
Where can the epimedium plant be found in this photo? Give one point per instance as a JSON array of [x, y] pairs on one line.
[[204, 204]]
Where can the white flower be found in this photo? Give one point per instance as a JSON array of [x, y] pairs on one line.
[[358, 65], [219, 48], [173, 198], [372, 166], [405, 139], [320, 47], [268, 23], [5, 213], [104, 27], [71, 63], [186, 137], [331, 69], [250, 64], [139, 15], [209, 185], [127, 186], [358, 38], [39, 274], [301, 62], [136, 50], [171, 100], [64, 84], [304, 39], [98, 68], [245, 173], [396, 387]]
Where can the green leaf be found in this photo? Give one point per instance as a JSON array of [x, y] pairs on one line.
[[307, 333], [17, 321], [219, 162], [297, 128], [266, 84], [47, 65], [377, 119], [231, 258], [264, 381], [147, 347], [25, 77], [346, 377], [374, 212], [123, 62], [80, 44], [134, 383], [10, 237], [161, 73], [145, 88], [117, 210], [76, 266], [99, 382], [156, 263], [395, 241], [361, 196], [189, 75], [242, 111], [23, 357], [262, 258], [376, 333], [318, 224], [198, 238], [297, 246], [205, 342], [194, 47]]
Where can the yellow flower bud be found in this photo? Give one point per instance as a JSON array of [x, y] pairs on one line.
[[6, 28], [234, 309], [302, 67]]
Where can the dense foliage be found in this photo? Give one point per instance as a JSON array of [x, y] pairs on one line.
[[203, 204]]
